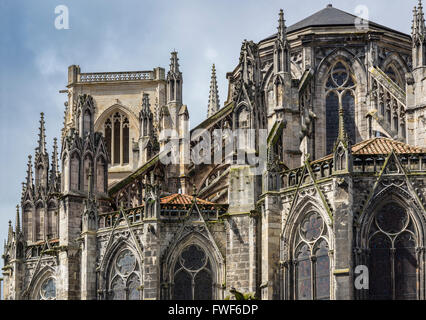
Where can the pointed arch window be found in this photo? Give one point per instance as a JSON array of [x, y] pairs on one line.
[[392, 255], [340, 92], [117, 137], [192, 276], [311, 271], [124, 281]]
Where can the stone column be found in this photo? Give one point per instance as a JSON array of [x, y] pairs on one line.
[[270, 248], [343, 235]]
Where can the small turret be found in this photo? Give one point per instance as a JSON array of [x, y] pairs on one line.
[[174, 81]]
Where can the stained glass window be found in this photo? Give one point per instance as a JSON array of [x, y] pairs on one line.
[[312, 264], [125, 277], [340, 93], [193, 275], [48, 289], [392, 261]]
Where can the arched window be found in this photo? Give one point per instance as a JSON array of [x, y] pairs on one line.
[[124, 280], [193, 275], [38, 223], [311, 270], [340, 92], [75, 172], [392, 261], [116, 131], [48, 289], [100, 175], [87, 120]]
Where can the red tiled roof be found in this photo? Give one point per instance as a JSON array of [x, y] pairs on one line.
[[384, 146], [380, 146], [178, 198]]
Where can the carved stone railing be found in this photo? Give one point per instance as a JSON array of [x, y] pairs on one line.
[[115, 76]]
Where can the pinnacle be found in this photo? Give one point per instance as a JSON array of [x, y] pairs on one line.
[[214, 104]]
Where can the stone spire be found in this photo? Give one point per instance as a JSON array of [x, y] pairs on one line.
[[42, 136], [29, 182], [10, 233], [418, 28], [214, 104], [282, 29], [54, 171], [281, 47], [420, 19], [41, 159], [18, 221]]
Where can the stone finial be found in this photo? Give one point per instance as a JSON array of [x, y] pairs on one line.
[[214, 104]]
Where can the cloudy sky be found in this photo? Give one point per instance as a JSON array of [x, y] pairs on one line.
[[122, 36]]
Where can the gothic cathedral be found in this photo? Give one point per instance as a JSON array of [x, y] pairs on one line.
[[342, 192]]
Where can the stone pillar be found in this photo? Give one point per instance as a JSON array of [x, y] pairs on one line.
[[343, 235], [270, 248], [88, 265], [70, 210], [151, 259], [241, 244]]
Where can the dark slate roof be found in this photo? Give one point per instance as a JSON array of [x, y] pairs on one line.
[[330, 16]]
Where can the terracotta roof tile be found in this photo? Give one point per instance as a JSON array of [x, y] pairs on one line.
[[178, 198], [384, 146], [379, 146]]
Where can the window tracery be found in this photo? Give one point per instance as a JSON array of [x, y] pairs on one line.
[[193, 275], [393, 260], [125, 277], [116, 131], [311, 260], [340, 93]]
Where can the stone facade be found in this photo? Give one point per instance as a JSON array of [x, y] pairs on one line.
[[342, 187]]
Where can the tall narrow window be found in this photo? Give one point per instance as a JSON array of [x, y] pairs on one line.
[[108, 137], [126, 141], [312, 263], [75, 172], [340, 92], [393, 260], [87, 120], [117, 137], [193, 275]]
